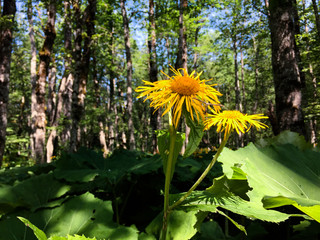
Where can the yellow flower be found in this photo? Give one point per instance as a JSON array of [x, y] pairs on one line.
[[179, 91], [228, 121]]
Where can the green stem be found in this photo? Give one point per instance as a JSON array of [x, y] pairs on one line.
[[203, 175], [166, 211]]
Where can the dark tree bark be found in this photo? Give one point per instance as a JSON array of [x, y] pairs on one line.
[[112, 125], [6, 29], [287, 79], [51, 102], [316, 14], [131, 140], [39, 116], [153, 70], [182, 55], [82, 59]]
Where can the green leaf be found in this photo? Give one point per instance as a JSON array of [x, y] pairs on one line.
[[286, 137], [279, 175], [164, 144], [181, 225], [33, 193], [83, 214], [220, 195], [37, 232], [195, 136]]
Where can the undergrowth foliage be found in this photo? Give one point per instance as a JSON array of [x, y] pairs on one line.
[[85, 196]]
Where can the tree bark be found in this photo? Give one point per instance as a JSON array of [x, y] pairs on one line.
[[101, 122], [287, 79], [313, 120], [153, 71], [33, 73], [112, 125], [316, 14], [131, 142], [182, 56], [6, 30], [39, 115], [51, 102], [63, 101], [82, 59]]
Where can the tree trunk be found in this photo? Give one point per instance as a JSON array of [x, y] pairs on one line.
[[63, 101], [6, 29], [112, 125], [316, 14], [131, 142], [195, 56], [39, 115], [256, 83], [182, 56], [312, 121], [33, 73], [153, 71], [286, 73], [82, 59], [68, 77], [51, 102], [101, 122]]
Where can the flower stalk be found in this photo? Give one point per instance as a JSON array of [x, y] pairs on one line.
[[168, 174], [203, 175]]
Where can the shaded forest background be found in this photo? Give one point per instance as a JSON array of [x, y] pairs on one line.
[[68, 69]]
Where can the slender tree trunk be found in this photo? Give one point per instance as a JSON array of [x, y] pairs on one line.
[[6, 29], [195, 56], [256, 83], [102, 135], [131, 142], [82, 59], [68, 78], [244, 137], [39, 115], [287, 79], [236, 75], [316, 14], [112, 125], [51, 102], [153, 71], [63, 101], [33, 73], [182, 54], [312, 121]]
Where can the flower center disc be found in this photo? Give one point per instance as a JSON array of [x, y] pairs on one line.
[[185, 86]]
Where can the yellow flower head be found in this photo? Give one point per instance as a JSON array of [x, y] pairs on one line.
[[228, 121], [179, 91]]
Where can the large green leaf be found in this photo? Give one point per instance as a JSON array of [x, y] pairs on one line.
[[181, 225], [86, 165], [221, 195], [84, 214], [33, 193], [278, 175]]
